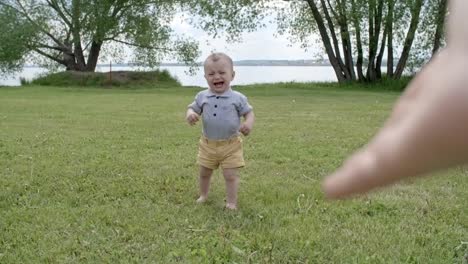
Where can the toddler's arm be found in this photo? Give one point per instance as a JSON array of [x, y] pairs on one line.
[[248, 123], [191, 117]]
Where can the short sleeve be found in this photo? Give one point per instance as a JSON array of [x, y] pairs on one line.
[[196, 104], [243, 106]]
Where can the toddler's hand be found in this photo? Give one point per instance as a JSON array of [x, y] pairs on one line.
[[245, 129], [192, 118]]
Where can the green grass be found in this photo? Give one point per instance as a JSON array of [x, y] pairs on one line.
[[109, 176]]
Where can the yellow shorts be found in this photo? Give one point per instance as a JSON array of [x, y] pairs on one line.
[[225, 153]]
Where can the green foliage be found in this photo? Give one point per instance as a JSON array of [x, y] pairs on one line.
[[424, 43], [297, 21], [76, 33], [15, 34], [385, 84], [347, 29], [128, 79], [109, 176], [229, 18]]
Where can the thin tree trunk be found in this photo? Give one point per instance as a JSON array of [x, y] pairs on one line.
[[357, 28], [389, 25], [331, 28], [374, 32], [370, 64], [326, 41], [409, 39], [378, 64], [442, 10], [346, 40]]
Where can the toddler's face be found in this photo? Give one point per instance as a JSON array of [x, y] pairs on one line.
[[219, 75]]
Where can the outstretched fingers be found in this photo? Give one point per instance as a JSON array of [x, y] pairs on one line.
[[425, 133]]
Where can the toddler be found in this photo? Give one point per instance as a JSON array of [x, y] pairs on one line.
[[221, 110]]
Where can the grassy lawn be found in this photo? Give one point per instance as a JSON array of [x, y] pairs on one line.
[[109, 176]]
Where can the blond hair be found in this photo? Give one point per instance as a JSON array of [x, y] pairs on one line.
[[216, 56]]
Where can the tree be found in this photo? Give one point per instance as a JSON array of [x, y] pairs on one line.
[[429, 38], [355, 34], [348, 27], [384, 26], [14, 33], [229, 18], [74, 33]]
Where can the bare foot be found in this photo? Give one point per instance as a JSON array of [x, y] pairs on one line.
[[202, 199], [231, 206]]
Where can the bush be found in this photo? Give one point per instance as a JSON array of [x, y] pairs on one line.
[[24, 81], [386, 84], [108, 79]]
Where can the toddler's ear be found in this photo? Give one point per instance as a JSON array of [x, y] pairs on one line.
[[233, 74]]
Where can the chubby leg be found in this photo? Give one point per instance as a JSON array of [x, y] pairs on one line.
[[231, 177], [205, 177]]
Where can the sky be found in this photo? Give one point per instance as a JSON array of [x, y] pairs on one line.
[[259, 45]]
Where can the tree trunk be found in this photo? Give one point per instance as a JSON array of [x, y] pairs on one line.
[[357, 28], [93, 56], [75, 31], [69, 58], [389, 25], [69, 63], [409, 39], [442, 10], [326, 41], [346, 40], [378, 64], [370, 75], [375, 19], [331, 28]]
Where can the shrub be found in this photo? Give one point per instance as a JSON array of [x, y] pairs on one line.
[[108, 79]]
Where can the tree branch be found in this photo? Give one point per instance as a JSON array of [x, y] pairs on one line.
[[61, 49], [54, 5], [65, 8], [49, 56], [138, 45], [25, 13]]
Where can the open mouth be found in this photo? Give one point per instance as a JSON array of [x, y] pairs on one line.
[[218, 84]]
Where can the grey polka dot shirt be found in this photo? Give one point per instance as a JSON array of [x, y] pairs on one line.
[[222, 113]]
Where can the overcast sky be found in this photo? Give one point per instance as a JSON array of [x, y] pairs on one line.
[[258, 45]]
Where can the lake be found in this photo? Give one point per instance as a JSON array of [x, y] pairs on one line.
[[244, 74]]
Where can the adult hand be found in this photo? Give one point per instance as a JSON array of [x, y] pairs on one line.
[[428, 127]]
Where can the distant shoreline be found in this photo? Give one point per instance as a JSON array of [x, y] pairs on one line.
[[293, 63]]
